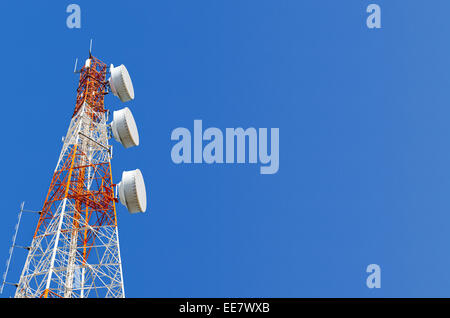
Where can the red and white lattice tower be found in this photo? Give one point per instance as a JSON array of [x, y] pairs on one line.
[[75, 248]]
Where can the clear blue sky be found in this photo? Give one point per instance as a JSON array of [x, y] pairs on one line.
[[364, 140]]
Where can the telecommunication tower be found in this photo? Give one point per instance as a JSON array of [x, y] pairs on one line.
[[75, 248]]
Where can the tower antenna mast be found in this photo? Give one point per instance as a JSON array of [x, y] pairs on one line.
[[75, 248]]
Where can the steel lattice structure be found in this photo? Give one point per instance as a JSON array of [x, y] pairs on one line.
[[75, 248]]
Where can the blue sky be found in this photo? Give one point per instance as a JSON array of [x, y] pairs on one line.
[[364, 140]]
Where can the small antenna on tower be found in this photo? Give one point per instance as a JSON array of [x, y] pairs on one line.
[[90, 49], [11, 249], [75, 68]]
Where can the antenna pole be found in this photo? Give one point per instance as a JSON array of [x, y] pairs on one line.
[[12, 248], [76, 63]]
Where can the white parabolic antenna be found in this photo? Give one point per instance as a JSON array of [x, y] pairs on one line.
[[132, 191], [124, 128], [120, 82]]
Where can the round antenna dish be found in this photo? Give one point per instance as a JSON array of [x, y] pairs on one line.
[[120, 83], [124, 128], [132, 191]]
